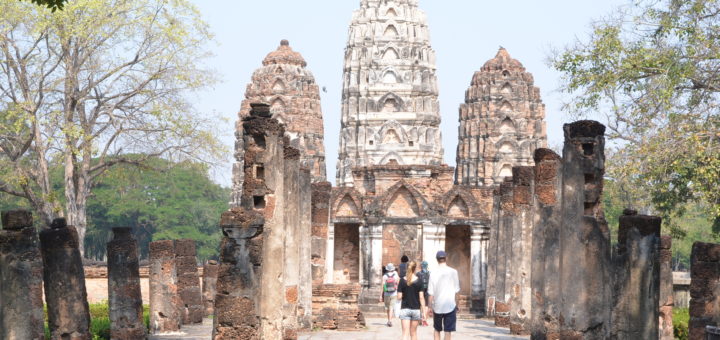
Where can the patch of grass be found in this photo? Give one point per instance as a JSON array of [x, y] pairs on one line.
[[681, 319], [100, 320]]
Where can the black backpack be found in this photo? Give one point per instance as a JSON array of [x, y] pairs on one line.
[[424, 278]]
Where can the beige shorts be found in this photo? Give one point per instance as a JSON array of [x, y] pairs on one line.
[[390, 301]]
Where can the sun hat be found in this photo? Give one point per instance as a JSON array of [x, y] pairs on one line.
[[390, 267]]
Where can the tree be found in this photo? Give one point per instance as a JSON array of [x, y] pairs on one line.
[[51, 4], [180, 202], [652, 71], [85, 86]]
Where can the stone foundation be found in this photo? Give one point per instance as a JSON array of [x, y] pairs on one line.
[[335, 307]]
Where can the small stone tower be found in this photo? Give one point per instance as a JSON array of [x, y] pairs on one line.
[[390, 110], [289, 88], [501, 123]]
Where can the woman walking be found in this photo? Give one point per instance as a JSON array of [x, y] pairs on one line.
[[411, 293]]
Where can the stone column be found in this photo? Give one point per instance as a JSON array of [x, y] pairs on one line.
[[433, 241], [504, 264], [476, 259], [667, 300], [520, 301], [376, 237], [164, 299], [545, 313], [330, 254], [291, 234], [320, 215], [704, 289], [21, 267], [125, 300], [365, 256], [188, 282], [305, 244], [65, 293], [585, 284], [637, 278], [209, 286], [493, 260]]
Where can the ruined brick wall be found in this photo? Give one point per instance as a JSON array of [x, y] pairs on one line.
[[188, 286], [335, 307], [704, 289], [289, 88], [501, 122], [320, 217]]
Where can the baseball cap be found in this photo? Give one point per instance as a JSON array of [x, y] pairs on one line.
[[424, 265], [441, 255]]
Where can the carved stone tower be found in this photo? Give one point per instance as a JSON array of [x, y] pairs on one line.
[[294, 98], [501, 123], [390, 109]]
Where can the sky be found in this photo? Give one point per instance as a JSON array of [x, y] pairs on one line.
[[464, 34]]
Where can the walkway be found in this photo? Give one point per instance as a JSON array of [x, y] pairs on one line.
[[376, 330]]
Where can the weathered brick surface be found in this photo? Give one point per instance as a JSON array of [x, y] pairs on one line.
[[21, 270], [209, 286], [65, 294], [501, 122], [188, 282], [666, 289], [336, 307], [704, 288], [125, 299], [165, 302]]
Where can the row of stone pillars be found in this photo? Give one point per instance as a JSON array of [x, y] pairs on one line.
[[555, 274], [26, 262]]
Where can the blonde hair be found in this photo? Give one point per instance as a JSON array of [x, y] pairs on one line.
[[410, 275]]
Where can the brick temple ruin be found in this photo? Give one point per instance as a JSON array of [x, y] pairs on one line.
[[523, 225]]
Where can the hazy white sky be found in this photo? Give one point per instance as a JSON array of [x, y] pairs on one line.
[[464, 34]]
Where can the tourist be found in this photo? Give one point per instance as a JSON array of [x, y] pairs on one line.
[[390, 283], [443, 288], [403, 265], [412, 297], [424, 277]]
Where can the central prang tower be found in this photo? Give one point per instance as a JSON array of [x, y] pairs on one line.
[[390, 109]]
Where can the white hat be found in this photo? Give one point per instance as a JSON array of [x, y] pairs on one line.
[[390, 267]]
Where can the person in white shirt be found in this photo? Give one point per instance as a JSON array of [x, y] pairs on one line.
[[443, 288], [390, 281]]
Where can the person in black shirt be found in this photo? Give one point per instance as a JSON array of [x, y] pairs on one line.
[[411, 293]]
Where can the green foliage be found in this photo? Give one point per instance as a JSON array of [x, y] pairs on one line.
[[100, 320], [653, 71], [51, 4], [681, 320], [177, 202]]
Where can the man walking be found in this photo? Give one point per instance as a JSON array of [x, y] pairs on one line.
[[443, 288]]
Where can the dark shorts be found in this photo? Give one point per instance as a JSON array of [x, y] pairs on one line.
[[445, 322]]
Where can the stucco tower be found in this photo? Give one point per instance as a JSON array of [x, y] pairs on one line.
[[390, 109], [289, 88], [501, 123]]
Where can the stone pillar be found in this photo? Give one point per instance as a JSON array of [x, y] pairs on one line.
[[667, 300], [476, 259], [546, 246], [704, 289], [433, 241], [65, 293], [376, 265], [493, 260], [637, 278], [125, 300], [320, 216], [164, 299], [209, 286], [504, 264], [522, 224], [305, 243], [364, 256], [330, 255], [21, 267], [291, 233], [585, 284], [188, 282]]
